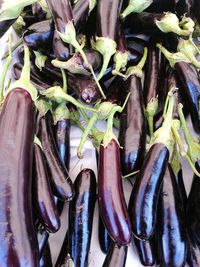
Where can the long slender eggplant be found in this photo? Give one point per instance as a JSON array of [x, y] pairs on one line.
[[17, 124], [106, 31], [81, 211], [104, 238], [145, 249], [46, 208], [60, 181], [46, 257], [116, 256], [171, 223], [132, 135], [112, 204], [39, 36], [193, 211]]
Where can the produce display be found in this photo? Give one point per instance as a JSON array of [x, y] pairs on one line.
[[134, 65]]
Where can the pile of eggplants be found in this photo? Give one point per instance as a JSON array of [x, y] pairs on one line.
[[133, 64]]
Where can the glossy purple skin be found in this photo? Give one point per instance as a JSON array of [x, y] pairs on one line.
[[106, 24], [46, 260], [39, 35], [112, 205], [62, 138], [18, 237], [132, 135], [60, 181], [80, 13], [81, 211], [116, 256], [46, 207], [171, 223], [146, 192], [193, 255], [104, 238], [61, 50], [62, 13], [121, 41], [190, 83]]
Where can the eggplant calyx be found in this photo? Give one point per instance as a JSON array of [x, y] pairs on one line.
[[136, 6], [71, 65], [40, 60], [164, 134], [175, 162], [57, 94], [43, 106], [92, 4], [173, 58], [193, 146], [121, 60], [60, 113], [188, 48], [107, 48], [187, 24], [170, 23], [38, 142], [150, 112], [24, 80]]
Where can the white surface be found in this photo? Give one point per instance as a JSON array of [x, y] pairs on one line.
[[96, 257]]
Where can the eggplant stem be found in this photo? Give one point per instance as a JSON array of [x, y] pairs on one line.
[[106, 59], [85, 134], [151, 126], [13, 48], [191, 41], [64, 77], [76, 103], [97, 82], [141, 63], [130, 174], [6, 68]]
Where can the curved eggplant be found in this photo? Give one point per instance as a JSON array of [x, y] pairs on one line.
[[171, 223], [112, 205], [146, 192], [18, 236], [60, 181], [116, 256], [81, 210], [47, 211], [132, 135]]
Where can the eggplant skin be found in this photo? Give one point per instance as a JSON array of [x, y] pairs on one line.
[[116, 256], [81, 211], [112, 205], [17, 233], [146, 192], [171, 223], [104, 238]]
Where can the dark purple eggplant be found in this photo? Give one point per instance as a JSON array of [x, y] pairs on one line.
[[132, 135], [46, 260], [104, 238], [112, 204], [18, 237], [39, 36], [81, 210], [145, 249], [5, 25], [38, 12], [193, 255], [106, 31], [61, 49], [171, 223], [146, 192], [185, 8], [116, 256], [196, 8], [193, 209], [60, 181], [46, 208], [159, 6]]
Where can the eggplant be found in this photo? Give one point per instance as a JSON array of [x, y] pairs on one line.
[[81, 211], [132, 135], [5, 25], [46, 257], [39, 36], [104, 238], [196, 8], [171, 223], [112, 205], [146, 192], [18, 235], [116, 256], [185, 8], [60, 181], [61, 50], [46, 208], [159, 6], [193, 254]]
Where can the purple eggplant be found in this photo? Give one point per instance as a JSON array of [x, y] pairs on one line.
[[112, 204], [61, 50], [81, 211], [18, 237], [104, 238], [46, 208], [46, 257], [116, 256], [193, 254], [60, 181]]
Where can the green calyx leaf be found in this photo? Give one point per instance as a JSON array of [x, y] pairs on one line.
[[12, 9], [43, 106], [60, 113], [121, 60], [136, 6], [40, 60]]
